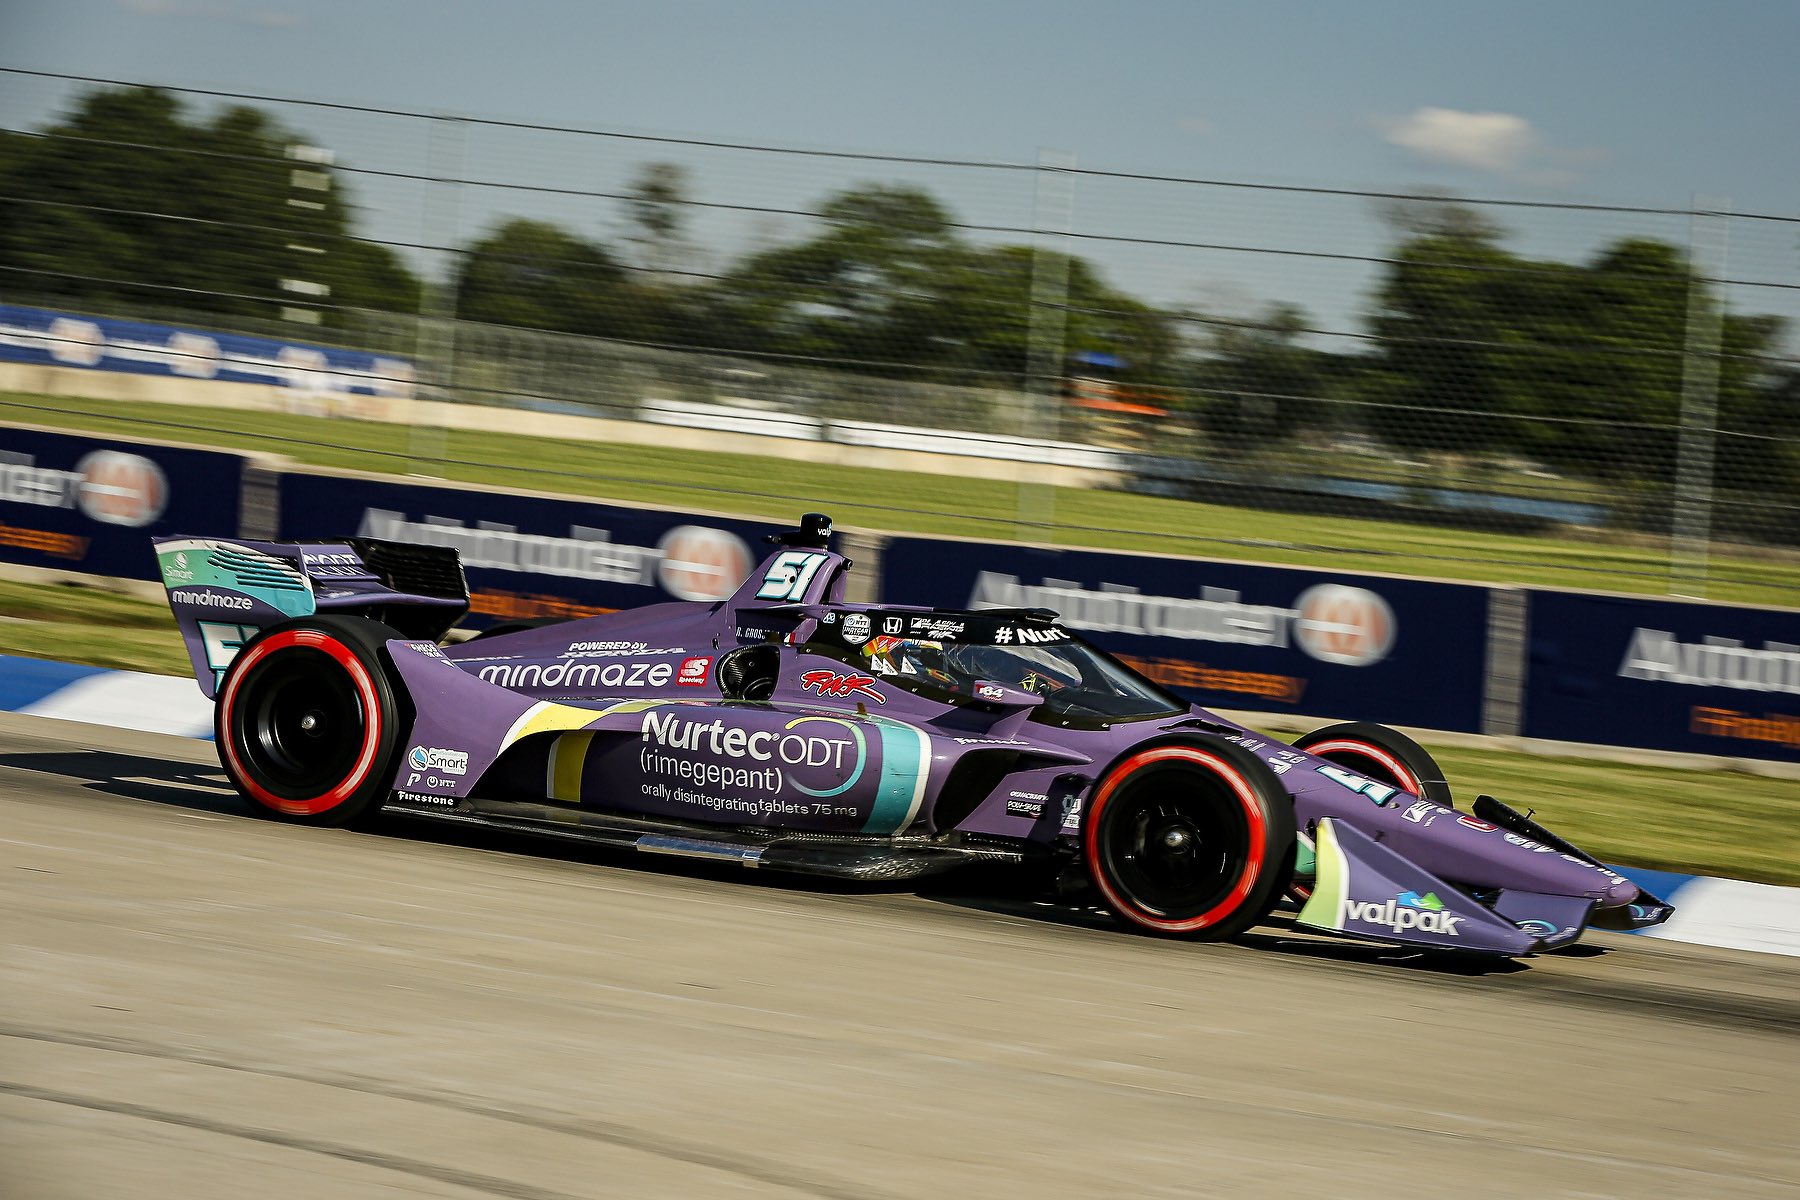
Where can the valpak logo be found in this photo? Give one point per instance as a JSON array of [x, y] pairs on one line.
[[1408, 910], [431, 758]]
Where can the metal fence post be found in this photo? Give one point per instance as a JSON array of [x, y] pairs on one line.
[[445, 157], [1047, 329], [1691, 529]]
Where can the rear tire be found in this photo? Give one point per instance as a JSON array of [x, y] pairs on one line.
[[307, 721], [1191, 839]]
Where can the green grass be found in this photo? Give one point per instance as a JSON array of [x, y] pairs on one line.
[[77, 624], [899, 501], [1715, 822]]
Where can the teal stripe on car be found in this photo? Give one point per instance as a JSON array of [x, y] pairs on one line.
[[905, 762]]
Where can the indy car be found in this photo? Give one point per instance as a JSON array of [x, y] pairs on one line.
[[787, 730]]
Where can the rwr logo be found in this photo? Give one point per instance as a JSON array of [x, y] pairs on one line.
[[830, 683]]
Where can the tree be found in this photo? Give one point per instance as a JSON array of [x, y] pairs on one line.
[[1576, 365], [1260, 383], [127, 201], [1439, 380], [866, 288], [539, 276], [890, 280]]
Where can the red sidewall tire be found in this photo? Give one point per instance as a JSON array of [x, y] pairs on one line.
[[1383, 754], [1224, 794], [337, 662]]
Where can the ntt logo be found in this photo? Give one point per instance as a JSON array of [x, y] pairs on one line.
[[1350, 626]]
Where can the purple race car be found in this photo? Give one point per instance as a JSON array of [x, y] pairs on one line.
[[786, 729]]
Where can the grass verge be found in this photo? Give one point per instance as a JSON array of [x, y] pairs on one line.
[[909, 502]]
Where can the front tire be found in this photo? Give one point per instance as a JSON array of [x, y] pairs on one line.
[[307, 721], [1191, 839], [1382, 754], [1379, 753]]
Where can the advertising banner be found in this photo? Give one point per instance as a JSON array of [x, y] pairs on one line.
[[35, 335], [1664, 674], [1230, 635], [92, 504], [527, 557]]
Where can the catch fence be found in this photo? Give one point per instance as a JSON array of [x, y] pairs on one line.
[[1498, 380]]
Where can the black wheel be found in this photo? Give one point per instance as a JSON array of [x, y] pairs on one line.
[[307, 721], [1190, 839], [1382, 754]]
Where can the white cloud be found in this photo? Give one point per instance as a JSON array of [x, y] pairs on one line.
[[1487, 141]]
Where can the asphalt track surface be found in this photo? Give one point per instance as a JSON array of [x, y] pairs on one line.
[[197, 1003]]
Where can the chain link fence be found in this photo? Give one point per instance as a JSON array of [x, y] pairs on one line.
[[1482, 368]]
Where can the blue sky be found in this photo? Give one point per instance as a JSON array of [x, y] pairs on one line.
[[1634, 102]]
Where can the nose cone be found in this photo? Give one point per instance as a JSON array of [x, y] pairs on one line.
[[1620, 893]]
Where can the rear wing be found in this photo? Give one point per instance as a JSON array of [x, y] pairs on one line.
[[224, 591]]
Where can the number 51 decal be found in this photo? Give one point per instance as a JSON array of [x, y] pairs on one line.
[[790, 575]]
